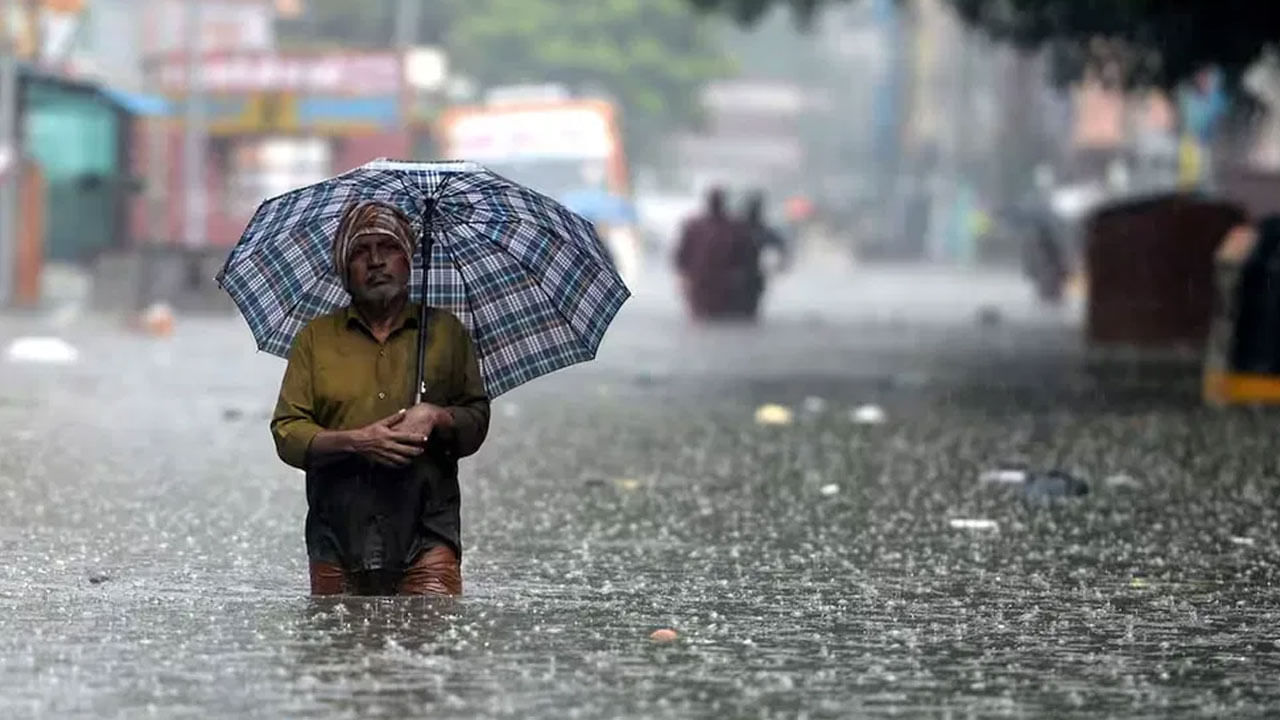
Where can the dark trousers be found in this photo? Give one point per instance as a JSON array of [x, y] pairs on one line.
[[437, 571]]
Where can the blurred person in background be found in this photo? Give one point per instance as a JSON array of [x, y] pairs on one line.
[[382, 481], [711, 255], [1044, 261], [761, 237]]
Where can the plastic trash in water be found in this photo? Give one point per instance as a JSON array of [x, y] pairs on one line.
[[157, 320], [1243, 541], [1122, 482], [42, 350], [664, 636], [1036, 485], [830, 490], [977, 524], [1055, 484], [814, 405], [869, 415], [1003, 476], [770, 414]]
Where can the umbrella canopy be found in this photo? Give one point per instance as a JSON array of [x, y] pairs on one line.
[[600, 206], [529, 278]]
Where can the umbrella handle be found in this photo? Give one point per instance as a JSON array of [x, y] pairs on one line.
[[424, 248]]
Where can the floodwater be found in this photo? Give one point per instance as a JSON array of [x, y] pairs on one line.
[[154, 565]]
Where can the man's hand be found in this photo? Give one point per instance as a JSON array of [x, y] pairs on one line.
[[389, 441], [423, 418]]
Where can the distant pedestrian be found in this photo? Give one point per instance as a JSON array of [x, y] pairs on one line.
[[761, 237], [712, 251]]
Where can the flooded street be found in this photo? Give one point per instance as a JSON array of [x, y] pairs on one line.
[[154, 561]]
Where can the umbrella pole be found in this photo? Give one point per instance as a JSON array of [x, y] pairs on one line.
[[424, 248]]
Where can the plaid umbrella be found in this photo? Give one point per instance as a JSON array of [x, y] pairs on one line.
[[530, 279]]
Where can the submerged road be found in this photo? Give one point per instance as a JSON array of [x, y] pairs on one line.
[[154, 565]]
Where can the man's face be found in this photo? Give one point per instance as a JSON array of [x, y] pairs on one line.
[[378, 269]]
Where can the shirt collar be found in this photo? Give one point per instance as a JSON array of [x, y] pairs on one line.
[[408, 317]]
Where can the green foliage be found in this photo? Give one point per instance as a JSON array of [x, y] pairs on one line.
[[749, 12], [1132, 42], [651, 56]]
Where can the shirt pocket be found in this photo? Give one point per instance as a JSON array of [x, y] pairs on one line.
[[340, 379]]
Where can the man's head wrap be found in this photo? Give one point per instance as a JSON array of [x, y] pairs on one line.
[[370, 218]]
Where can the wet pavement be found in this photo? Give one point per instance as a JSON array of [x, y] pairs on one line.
[[154, 565]]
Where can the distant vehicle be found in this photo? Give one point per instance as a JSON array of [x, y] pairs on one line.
[[560, 146]]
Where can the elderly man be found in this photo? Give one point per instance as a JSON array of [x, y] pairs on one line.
[[382, 478]]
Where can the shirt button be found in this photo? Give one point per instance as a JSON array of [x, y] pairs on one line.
[[382, 396]]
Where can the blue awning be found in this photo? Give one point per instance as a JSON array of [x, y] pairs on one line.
[[139, 103]]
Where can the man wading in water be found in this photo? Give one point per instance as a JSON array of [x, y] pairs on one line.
[[382, 481]]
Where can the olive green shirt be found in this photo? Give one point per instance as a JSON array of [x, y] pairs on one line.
[[339, 377]]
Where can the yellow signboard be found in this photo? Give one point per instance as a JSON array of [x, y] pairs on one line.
[[260, 113]]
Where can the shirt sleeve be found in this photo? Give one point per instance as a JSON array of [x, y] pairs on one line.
[[470, 407], [293, 424]]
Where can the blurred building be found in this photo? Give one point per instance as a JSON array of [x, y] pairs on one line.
[[279, 120], [165, 173], [751, 137]]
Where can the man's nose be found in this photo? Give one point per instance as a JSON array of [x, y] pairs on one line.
[[377, 258]]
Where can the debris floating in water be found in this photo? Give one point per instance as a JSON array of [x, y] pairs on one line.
[[43, 350], [1003, 476], [628, 484], [664, 636], [98, 578], [157, 320], [1035, 484], [1244, 541], [1122, 482], [869, 415], [814, 405], [830, 489], [232, 414], [974, 524], [770, 414], [1139, 584], [1056, 484]]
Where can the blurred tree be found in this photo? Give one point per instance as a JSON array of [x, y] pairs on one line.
[[1134, 42], [1131, 42], [749, 12], [650, 56]]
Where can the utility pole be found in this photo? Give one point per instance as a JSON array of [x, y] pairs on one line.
[[162, 220], [194, 140], [10, 160], [408, 17]]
